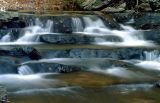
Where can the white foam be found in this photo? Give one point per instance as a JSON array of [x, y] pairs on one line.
[[149, 65], [119, 72]]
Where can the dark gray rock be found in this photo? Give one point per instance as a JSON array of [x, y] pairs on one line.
[[66, 39], [53, 67], [32, 53], [22, 52], [7, 68], [55, 54], [124, 53], [14, 22], [155, 6], [153, 35], [119, 53], [74, 38], [147, 18], [157, 85], [13, 52]]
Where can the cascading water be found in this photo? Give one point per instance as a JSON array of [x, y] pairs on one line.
[[152, 55], [87, 25], [37, 78], [77, 24], [6, 38], [25, 70], [95, 26], [31, 33], [93, 22], [151, 60]]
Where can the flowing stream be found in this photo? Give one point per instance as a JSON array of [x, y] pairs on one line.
[[80, 60]]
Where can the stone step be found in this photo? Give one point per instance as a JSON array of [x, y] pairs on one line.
[[115, 53], [75, 38]]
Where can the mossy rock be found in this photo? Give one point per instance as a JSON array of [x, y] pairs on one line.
[[8, 15]]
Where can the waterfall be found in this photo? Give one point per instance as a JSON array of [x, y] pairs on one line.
[[25, 70], [151, 60], [93, 21], [86, 25], [32, 33], [6, 38], [130, 37], [77, 25], [38, 22], [49, 26], [152, 56]]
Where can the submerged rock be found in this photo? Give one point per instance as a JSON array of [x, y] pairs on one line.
[[3, 95], [52, 67], [6, 67], [66, 69]]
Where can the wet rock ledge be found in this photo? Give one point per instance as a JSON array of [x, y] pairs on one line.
[[3, 95]]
